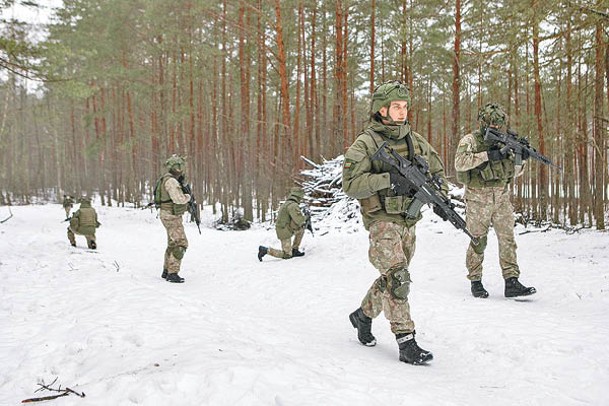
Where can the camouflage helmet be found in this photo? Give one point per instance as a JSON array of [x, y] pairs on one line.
[[492, 114], [388, 92], [175, 163], [84, 199]]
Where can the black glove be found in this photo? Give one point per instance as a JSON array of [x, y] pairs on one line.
[[525, 154], [496, 155], [440, 212], [399, 184]]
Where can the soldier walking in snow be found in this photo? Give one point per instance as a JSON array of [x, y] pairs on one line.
[[385, 200], [487, 172], [290, 223], [84, 222], [67, 204], [173, 204]]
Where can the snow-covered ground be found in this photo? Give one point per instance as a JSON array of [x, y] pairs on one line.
[[241, 332]]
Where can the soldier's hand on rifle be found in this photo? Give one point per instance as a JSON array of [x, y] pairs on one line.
[[399, 184], [525, 154], [440, 212], [496, 154]]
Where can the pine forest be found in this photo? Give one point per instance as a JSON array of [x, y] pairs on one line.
[[244, 89]]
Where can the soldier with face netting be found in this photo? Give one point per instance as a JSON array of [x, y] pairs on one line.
[[173, 204], [488, 172]]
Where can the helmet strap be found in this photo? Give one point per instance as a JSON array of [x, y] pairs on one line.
[[389, 120]]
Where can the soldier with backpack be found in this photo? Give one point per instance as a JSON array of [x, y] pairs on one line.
[[172, 201], [84, 222]]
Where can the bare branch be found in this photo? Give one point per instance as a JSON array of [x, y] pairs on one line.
[[11, 215]]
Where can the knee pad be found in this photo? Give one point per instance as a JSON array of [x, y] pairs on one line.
[[399, 283], [178, 252], [479, 249]]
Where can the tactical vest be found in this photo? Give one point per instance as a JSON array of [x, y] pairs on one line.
[[389, 201], [490, 173], [84, 220], [166, 203]]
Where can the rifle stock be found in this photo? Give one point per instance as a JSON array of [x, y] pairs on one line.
[[308, 223], [424, 188]]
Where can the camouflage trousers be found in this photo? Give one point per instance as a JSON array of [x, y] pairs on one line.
[[71, 236], [67, 209], [488, 207], [176, 241], [287, 246], [391, 249]]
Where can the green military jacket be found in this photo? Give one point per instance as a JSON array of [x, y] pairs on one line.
[[474, 168], [368, 181], [289, 218], [84, 220]]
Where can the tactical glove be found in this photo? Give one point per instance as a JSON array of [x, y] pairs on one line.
[[496, 155], [399, 184], [525, 154]]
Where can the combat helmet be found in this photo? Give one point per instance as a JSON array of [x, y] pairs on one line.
[[388, 92], [175, 164], [492, 114], [85, 201], [297, 192]]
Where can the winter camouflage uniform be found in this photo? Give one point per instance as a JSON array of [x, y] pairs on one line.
[[391, 232], [488, 184], [173, 206], [290, 223], [84, 222], [67, 204]]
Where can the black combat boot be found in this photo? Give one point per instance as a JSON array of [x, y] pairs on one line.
[[513, 288], [92, 245], [262, 251], [478, 290], [296, 253], [164, 274], [175, 278], [410, 352], [363, 324], [73, 244]]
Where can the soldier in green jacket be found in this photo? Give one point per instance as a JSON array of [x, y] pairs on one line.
[[487, 173], [84, 222], [290, 223], [173, 204], [384, 200]]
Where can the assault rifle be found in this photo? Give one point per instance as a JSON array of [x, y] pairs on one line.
[[308, 223], [424, 188], [520, 146], [195, 215]]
